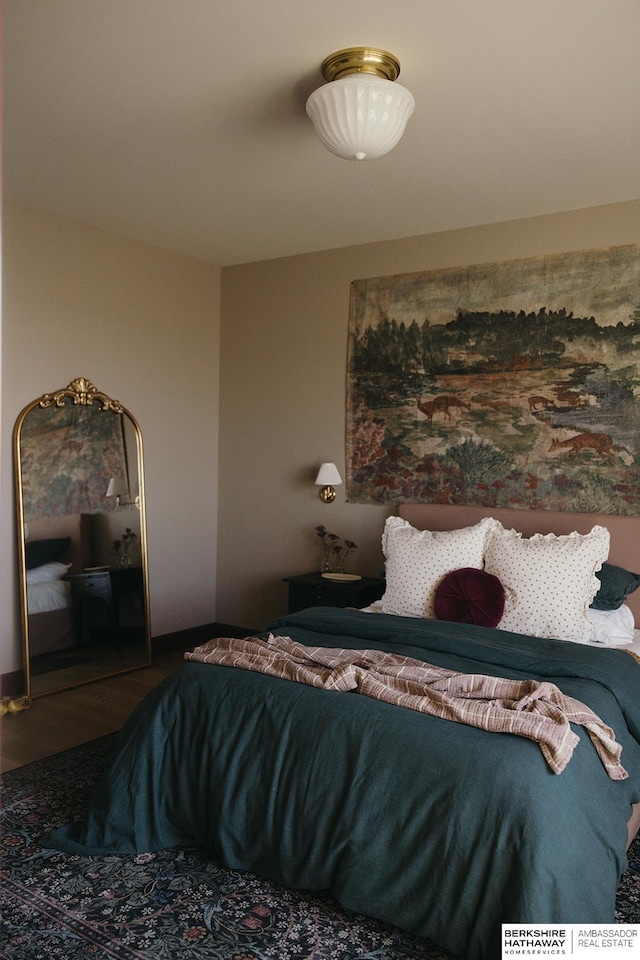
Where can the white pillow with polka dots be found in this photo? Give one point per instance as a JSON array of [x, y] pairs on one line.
[[417, 560], [549, 581]]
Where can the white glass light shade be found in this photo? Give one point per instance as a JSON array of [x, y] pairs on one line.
[[360, 116], [116, 488], [328, 475]]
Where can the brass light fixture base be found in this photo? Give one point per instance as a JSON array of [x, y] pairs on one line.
[[360, 60], [327, 494]]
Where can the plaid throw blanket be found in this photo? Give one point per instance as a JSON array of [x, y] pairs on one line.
[[527, 708]]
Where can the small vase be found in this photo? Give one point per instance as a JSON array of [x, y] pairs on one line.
[[325, 566], [124, 560]]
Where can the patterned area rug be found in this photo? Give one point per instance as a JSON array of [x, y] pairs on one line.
[[176, 904]]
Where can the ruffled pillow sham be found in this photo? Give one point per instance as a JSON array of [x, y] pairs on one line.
[[549, 580], [417, 560]]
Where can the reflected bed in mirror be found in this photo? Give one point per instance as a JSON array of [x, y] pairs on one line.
[[81, 545]]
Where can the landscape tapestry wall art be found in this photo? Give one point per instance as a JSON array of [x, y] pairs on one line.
[[68, 455], [512, 384]]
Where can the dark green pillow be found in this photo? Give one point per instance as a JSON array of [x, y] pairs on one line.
[[616, 584], [38, 552]]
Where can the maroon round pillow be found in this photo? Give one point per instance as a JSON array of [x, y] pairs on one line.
[[470, 596]]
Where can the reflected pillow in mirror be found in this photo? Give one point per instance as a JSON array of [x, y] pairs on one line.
[[470, 596], [48, 572], [39, 552]]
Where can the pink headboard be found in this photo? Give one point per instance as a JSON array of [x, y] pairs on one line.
[[624, 531], [74, 525]]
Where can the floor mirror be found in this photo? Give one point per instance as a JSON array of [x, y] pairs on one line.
[[82, 547]]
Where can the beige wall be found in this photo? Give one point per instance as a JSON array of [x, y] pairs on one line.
[[143, 325], [283, 348]]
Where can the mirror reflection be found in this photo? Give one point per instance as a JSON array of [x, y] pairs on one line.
[[82, 539]]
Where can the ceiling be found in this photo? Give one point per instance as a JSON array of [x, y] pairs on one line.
[[182, 122]]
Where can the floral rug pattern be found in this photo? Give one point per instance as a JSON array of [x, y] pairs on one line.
[[176, 904]]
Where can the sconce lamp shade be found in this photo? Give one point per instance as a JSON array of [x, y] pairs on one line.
[[361, 113], [116, 488], [328, 476], [119, 489]]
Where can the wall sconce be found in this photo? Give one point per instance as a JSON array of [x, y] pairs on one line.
[[360, 113], [119, 489], [328, 476]]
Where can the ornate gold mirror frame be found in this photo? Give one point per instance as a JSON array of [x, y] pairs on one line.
[[82, 545]]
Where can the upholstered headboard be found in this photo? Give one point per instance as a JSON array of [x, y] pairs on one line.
[[624, 531], [77, 526]]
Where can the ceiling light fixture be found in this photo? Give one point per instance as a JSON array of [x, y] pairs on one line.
[[360, 113]]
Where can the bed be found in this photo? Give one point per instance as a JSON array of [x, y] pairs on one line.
[[444, 828], [55, 547]]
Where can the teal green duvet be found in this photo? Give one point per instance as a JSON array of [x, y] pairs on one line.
[[440, 828]]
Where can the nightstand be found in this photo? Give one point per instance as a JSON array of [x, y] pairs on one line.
[[127, 586], [85, 589], [314, 590]]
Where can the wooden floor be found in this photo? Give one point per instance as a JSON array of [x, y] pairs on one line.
[[71, 717]]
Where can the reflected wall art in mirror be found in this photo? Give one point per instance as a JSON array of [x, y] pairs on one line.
[[82, 545]]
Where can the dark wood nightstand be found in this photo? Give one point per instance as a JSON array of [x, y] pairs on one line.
[[112, 588], [124, 581], [85, 589], [314, 590]]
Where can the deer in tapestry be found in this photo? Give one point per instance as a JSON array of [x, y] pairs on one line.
[[600, 443], [443, 404]]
